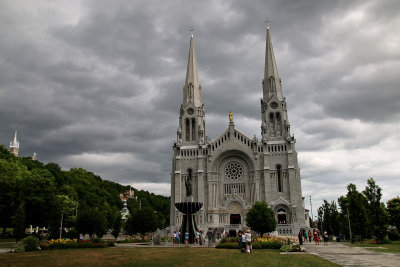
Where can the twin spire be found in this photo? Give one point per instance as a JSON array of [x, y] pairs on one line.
[[271, 82], [192, 88]]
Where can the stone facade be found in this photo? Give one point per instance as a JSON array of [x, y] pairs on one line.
[[234, 171]]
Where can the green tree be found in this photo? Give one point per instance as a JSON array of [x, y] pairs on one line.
[[378, 216], [143, 221], [356, 204], [328, 217], [19, 222], [261, 218], [91, 221], [116, 224], [393, 207]]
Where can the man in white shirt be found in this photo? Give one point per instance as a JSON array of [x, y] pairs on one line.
[[248, 242]]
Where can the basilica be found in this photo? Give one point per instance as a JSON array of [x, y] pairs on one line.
[[229, 174]]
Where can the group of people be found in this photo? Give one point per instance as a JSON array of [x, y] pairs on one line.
[[197, 238], [244, 240], [305, 236]]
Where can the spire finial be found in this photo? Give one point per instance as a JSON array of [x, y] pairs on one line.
[[191, 29], [267, 21]]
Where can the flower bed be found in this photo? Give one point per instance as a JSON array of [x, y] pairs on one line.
[[268, 242], [72, 243]]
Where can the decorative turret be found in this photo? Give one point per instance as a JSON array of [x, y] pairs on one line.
[[14, 145]]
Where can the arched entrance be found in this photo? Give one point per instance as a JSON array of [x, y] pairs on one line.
[[282, 218], [235, 219], [232, 233]]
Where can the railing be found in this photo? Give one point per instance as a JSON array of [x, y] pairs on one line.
[[284, 229], [232, 226]]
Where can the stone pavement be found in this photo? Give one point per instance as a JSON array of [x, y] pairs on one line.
[[345, 255]]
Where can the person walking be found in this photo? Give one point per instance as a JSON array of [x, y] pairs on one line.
[[186, 239], [305, 236], [209, 236], [326, 238], [249, 248], [300, 236], [309, 236], [240, 239], [316, 238]]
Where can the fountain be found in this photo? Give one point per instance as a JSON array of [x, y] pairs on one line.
[[189, 209]]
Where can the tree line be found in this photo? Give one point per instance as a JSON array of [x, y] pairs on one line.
[[361, 212], [37, 194]]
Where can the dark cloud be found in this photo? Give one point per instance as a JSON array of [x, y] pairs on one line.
[[98, 84]]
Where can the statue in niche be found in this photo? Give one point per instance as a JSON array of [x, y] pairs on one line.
[[188, 184]]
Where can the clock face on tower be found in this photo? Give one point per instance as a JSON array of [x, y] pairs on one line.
[[190, 111], [273, 105]]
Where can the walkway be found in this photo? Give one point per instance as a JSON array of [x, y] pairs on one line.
[[345, 255]]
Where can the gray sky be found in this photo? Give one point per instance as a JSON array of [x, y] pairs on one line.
[[98, 84]]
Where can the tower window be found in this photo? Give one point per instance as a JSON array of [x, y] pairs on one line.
[[193, 129], [187, 130], [278, 171]]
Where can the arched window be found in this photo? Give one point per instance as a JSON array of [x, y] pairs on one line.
[[187, 130], [193, 129], [279, 180]]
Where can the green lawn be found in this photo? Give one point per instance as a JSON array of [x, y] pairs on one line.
[[389, 248], [159, 257]]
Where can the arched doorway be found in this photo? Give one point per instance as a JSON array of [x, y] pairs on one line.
[[235, 219], [232, 233], [282, 218]]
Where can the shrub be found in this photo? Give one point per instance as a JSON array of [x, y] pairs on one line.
[[111, 244], [74, 243], [229, 240], [290, 248], [393, 236], [386, 241], [31, 243], [72, 233]]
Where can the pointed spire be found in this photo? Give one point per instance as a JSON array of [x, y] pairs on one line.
[[14, 144], [192, 88], [272, 84]]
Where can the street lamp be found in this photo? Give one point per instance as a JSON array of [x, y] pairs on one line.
[[62, 216], [348, 218]]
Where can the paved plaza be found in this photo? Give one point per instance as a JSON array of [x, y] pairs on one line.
[[345, 255]]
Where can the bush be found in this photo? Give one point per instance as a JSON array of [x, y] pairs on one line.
[[393, 236], [111, 244], [386, 241], [31, 243], [290, 248], [74, 243], [229, 240], [71, 234]]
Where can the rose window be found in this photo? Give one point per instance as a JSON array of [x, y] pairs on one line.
[[234, 170]]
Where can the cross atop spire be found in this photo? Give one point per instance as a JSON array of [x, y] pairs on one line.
[[267, 21]]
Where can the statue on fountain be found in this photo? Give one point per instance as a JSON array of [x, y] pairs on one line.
[[189, 209]]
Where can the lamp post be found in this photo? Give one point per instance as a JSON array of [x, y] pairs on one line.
[[62, 216], [348, 218]]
